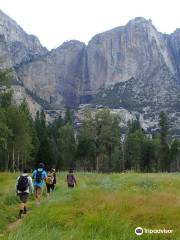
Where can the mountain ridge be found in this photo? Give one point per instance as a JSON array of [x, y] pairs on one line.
[[76, 73]]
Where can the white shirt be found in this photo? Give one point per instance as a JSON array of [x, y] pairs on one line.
[[30, 187]]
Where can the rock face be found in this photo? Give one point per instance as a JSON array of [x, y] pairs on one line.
[[136, 51], [57, 76], [132, 66], [137, 68], [174, 42], [20, 46]]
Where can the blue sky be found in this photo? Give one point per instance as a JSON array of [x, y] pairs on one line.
[[56, 21]]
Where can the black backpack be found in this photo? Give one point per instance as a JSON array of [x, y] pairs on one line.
[[38, 176], [23, 183]]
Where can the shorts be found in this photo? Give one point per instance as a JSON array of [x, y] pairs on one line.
[[50, 187], [70, 185], [37, 187], [23, 197]]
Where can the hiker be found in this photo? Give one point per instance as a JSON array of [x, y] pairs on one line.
[[51, 180], [71, 180], [39, 175], [24, 186]]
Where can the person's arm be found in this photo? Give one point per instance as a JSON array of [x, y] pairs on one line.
[[31, 187], [54, 178], [16, 185], [33, 174], [74, 180], [45, 176]]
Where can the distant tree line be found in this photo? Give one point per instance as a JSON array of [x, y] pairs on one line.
[[97, 145]]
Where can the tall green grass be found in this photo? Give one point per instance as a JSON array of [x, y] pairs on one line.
[[104, 207], [8, 200]]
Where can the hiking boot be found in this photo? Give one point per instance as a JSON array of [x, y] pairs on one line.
[[20, 214], [25, 210]]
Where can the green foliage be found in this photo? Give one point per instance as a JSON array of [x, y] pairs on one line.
[[39, 100], [5, 76], [141, 153], [67, 145], [164, 147], [15, 135], [99, 146], [150, 154], [68, 116], [175, 155], [8, 200], [96, 146], [122, 94], [6, 99], [163, 124], [20, 144], [148, 161], [44, 153], [5, 134], [86, 149], [133, 150]]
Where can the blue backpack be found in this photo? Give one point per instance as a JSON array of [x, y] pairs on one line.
[[38, 176]]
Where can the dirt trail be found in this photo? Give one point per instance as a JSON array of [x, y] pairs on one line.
[[14, 225], [10, 227]]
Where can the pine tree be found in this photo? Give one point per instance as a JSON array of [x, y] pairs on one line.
[[67, 145], [133, 146], [44, 153], [175, 155], [164, 147], [86, 149]]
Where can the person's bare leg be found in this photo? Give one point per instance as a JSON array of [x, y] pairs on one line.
[[25, 208], [38, 195], [21, 209]]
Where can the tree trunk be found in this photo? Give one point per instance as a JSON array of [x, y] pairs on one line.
[[13, 159], [8, 160], [6, 166], [110, 164], [18, 161], [97, 163], [22, 163]]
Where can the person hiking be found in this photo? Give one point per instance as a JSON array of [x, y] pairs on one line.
[[51, 180], [39, 175], [24, 186], [71, 180]]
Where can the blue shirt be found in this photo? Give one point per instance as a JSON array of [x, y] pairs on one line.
[[44, 175]]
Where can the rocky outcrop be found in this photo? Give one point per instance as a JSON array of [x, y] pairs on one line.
[[19, 45], [57, 76], [19, 94], [136, 51], [174, 43], [17, 48], [132, 66], [135, 67]]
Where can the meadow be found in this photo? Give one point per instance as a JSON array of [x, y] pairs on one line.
[[101, 207]]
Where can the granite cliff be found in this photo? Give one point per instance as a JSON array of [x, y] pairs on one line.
[[132, 66]]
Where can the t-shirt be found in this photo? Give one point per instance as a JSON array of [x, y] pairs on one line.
[[71, 179], [43, 176], [30, 187]]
